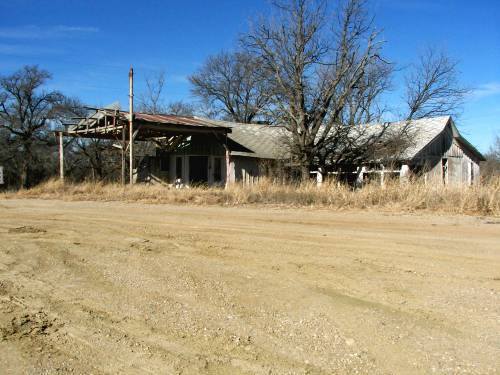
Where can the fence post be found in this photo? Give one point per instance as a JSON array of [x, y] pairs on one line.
[[61, 156], [319, 177], [403, 173], [361, 172]]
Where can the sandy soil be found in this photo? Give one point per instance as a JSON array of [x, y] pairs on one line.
[[92, 287]]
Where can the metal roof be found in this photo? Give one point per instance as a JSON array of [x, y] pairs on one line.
[[270, 142], [109, 123], [422, 132], [177, 120], [258, 141], [265, 141]]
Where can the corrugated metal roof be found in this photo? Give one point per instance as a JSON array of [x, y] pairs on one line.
[[177, 120], [157, 118]]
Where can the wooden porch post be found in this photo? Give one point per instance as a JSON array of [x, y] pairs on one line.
[[131, 125], [124, 146], [61, 157], [228, 166]]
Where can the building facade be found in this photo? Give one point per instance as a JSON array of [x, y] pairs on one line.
[[184, 150]]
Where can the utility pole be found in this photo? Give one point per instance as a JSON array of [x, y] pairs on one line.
[[131, 122]]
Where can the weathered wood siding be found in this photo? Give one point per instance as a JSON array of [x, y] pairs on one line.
[[446, 160], [246, 169]]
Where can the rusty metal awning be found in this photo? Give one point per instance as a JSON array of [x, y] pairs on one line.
[[110, 123]]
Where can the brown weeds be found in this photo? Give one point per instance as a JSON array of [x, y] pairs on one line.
[[481, 199]]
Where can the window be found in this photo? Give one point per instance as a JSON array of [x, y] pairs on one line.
[[178, 167], [164, 163], [217, 169], [471, 173]]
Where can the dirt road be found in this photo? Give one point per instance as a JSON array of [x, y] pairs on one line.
[[92, 287]]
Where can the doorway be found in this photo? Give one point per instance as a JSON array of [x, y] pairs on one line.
[[444, 169], [198, 169]]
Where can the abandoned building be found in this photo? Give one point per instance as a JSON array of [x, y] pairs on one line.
[[442, 153], [436, 151], [191, 150]]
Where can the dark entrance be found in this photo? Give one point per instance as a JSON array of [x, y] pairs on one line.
[[198, 169], [444, 169]]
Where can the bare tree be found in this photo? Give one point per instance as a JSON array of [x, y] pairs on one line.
[[432, 86], [152, 101], [26, 113], [233, 84], [318, 65], [96, 157], [181, 108], [364, 105], [490, 168]]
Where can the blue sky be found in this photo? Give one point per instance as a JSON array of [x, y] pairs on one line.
[[89, 45]]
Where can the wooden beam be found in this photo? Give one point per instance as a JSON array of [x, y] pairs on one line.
[[136, 133], [99, 129]]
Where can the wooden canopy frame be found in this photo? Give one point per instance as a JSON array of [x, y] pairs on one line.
[[123, 127]]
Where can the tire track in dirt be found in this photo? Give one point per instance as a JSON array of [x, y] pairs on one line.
[[142, 288]]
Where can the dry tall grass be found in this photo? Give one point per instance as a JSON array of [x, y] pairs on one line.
[[482, 199]]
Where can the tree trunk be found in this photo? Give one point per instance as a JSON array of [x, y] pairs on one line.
[[25, 165], [305, 172], [23, 175]]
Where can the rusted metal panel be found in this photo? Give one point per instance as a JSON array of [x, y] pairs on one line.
[[110, 123], [176, 120]]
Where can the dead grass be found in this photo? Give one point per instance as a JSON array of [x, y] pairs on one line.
[[482, 199]]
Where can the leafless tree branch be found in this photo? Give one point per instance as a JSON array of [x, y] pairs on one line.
[[432, 86], [233, 84]]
